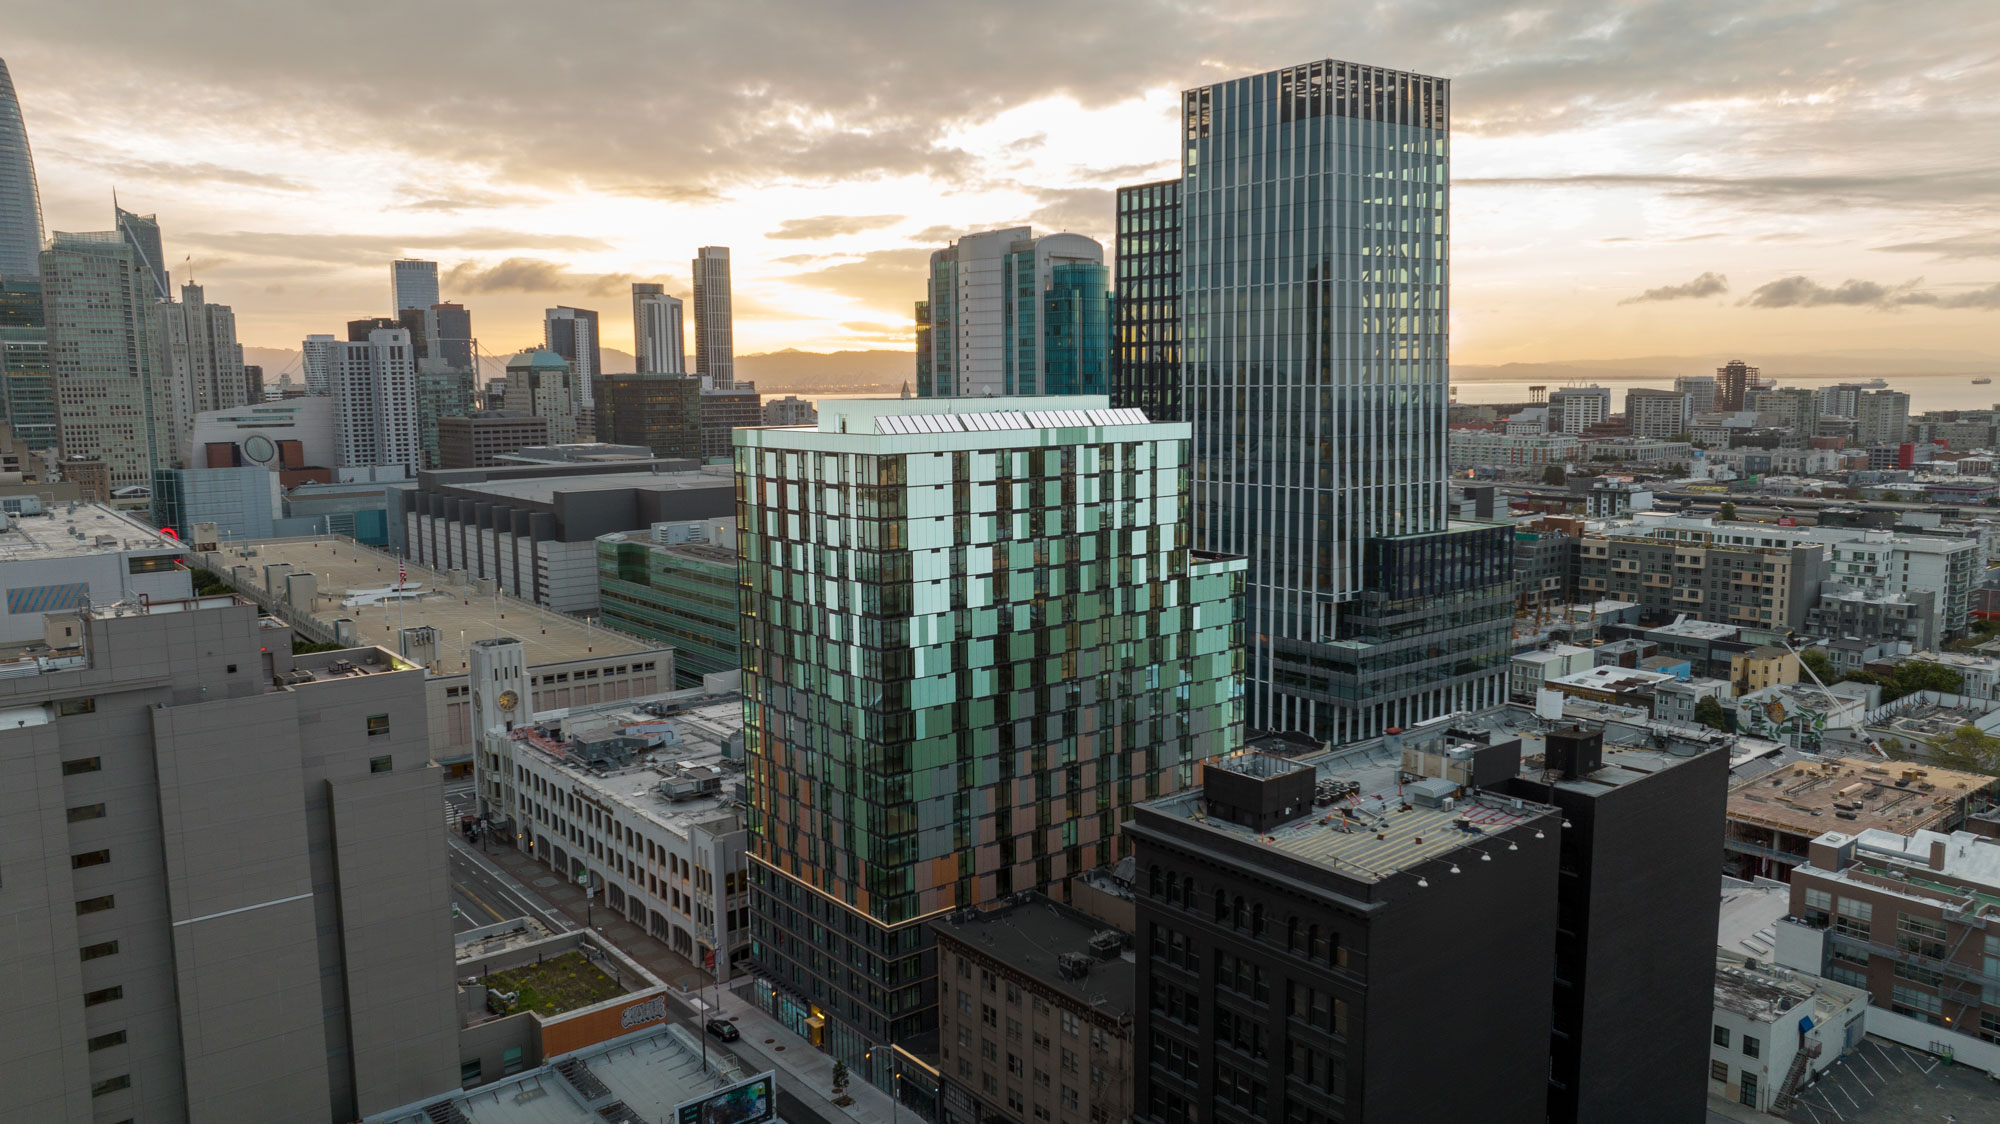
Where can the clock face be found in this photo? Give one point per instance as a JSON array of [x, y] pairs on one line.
[[508, 700], [258, 448]]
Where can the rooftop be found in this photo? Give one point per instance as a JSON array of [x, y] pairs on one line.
[[1549, 654], [1810, 796], [687, 748], [1748, 923], [343, 568], [77, 531], [1968, 857], [1053, 944], [1612, 678], [1697, 629], [543, 489], [1756, 994]]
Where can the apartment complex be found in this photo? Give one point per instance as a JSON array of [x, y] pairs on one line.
[[973, 631], [1472, 448], [1658, 413], [1695, 566], [226, 869]]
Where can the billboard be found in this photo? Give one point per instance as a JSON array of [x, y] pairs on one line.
[[749, 1101]]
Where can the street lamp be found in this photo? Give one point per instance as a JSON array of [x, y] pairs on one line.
[[895, 1080]]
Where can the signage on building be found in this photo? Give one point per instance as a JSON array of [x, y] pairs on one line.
[[746, 1102]]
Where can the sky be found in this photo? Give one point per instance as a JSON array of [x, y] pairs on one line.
[[1630, 178]]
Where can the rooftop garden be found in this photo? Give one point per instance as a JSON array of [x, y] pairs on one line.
[[564, 983]]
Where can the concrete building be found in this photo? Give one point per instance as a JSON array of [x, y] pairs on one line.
[[1704, 392], [724, 411], [1574, 409], [202, 362], [1801, 715], [1470, 448], [1847, 613], [1290, 970], [1881, 417], [533, 530], [808, 495], [675, 583], [790, 410], [413, 284], [1639, 450], [285, 437], [372, 378], [1662, 414], [477, 439], [226, 894], [572, 334], [1979, 675], [1774, 816], [1529, 672], [663, 413], [542, 384], [1734, 381], [714, 318], [1061, 984], [1671, 565], [72, 556], [1677, 701], [114, 400], [1776, 1029], [1766, 665], [1012, 313], [1610, 683], [1545, 563], [659, 339]]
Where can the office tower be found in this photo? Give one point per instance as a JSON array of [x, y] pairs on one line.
[[27, 382], [1146, 364], [1575, 409], [1733, 383], [202, 359], [1636, 895], [714, 322], [373, 382], [925, 383], [1316, 380], [112, 393], [723, 412], [572, 334], [142, 233], [542, 384], [448, 335], [973, 701], [316, 361], [477, 440], [412, 284], [226, 892], [253, 383], [1658, 413], [20, 196], [1881, 417], [990, 299], [657, 331], [1295, 957], [660, 412]]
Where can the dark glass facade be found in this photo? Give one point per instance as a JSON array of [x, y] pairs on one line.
[[925, 389], [1077, 329], [1146, 362], [660, 412]]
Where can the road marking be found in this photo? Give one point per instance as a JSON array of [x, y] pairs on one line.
[[467, 891]]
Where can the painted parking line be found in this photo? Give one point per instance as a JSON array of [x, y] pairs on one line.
[[1885, 1055], [1869, 1064], [1830, 1107]]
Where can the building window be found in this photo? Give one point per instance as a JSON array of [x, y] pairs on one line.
[[110, 1085], [1749, 1094], [67, 707], [1722, 1036], [89, 858], [1719, 1071], [382, 764], [84, 812], [1751, 1047], [97, 951], [468, 1073], [152, 564], [102, 995], [378, 725], [510, 1061], [82, 765], [95, 905], [106, 1041]]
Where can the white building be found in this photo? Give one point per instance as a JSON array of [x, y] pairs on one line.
[[1529, 672], [714, 319], [658, 332], [374, 387], [1981, 674], [309, 421], [412, 284], [1676, 701], [986, 292], [76, 555], [1574, 409], [1765, 1018], [1474, 448], [316, 361]]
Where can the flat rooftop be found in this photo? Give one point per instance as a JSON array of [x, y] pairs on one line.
[[1611, 677], [79, 531], [1973, 858], [460, 615], [1033, 937], [1747, 926], [1623, 764], [1697, 630], [1853, 794], [701, 551], [543, 489], [693, 733]]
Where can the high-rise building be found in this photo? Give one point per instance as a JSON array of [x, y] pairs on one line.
[[226, 891], [723, 412], [1146, 364], [1881, 417], [476, 440], [661, 412], [142, 233], [714, 320], [1575, 409], [1841, 401], [20, 196], [253, 383], [542, 384], [112, 392], [1010, 313], [1658, 413], [373, 381], [1703, 391], [658, 332], [448, 335], [316, 363], [27, 383], [1733, 381], [412, 284], [1316, 380], [202, 360], [572, 334], [999, 687]]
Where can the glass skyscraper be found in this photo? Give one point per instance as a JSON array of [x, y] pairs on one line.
[[1009, 313], [1315, 270], [27, 385], [1076, 330], [20, 197], [973, 636], [1146, 363]]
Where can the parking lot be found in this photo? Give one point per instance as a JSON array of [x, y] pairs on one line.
[[1884, 1083]]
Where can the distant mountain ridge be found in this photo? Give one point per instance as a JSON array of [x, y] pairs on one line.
[[1839, 364]]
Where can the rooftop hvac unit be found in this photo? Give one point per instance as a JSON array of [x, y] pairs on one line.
[[1073, 965], [1107, 943]]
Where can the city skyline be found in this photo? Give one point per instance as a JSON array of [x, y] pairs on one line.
[[1674, 182]]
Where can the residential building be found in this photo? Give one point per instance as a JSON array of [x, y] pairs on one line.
[[1794, 408], [714, 319], [533, 530], [1881, 417], [1575, 409], [112, 557], [413, 284], [1530, 422], [724, 411], [1529, 672], [675, 583], [1841, 401], [1604, 498], [477, 439], [226, 895], [1471, 448], [1146, 343], [1768, 837], [662, 413], [1733, 381], [242, 503], [1011, 313], [572, 334], [1640, 450], [658, 330], [316, 364], [1545, 564], [1979, 675], [1663, 414], [1704, 392], [1061, 984], [1289, 969], [114, 400], [790, 410], [372, 378], [1672, 566], [542, 384], [839, 536], [1677, 701], [1766, 665], [1775, 1030], [202, 361], [20, 195], [1844, 612]]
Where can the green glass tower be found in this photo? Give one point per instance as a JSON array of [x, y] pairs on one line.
[[973, 636]]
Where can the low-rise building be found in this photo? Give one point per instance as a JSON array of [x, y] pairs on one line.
[[1776, 815], [1529, 672], [1045, 1031], [1619, 686], [1775, 1029], [71, 556], [675, 583], [1979, 676], [1677, 701], [1801, 714], [1478, 449], [1639, 450], [1766, 665]]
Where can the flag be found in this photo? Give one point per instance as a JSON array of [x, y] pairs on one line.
[[402, 572]]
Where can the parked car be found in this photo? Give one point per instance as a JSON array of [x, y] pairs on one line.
[[724, 1030]]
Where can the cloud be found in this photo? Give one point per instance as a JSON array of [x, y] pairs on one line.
[[1707, 285], [943, 232], [1802, 292], [530, 275], [1080, 210], [830, 226], [450, 199], [364, 249], [1984, 244], [1781, 190], [667, 192], [199, 172], [889, 280]]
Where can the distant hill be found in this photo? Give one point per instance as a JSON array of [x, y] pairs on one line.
[[1839, 364]]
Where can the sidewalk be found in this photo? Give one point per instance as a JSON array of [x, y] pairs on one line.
[[804, 1072]]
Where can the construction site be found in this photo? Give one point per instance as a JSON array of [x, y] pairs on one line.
[[1773, 818]]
